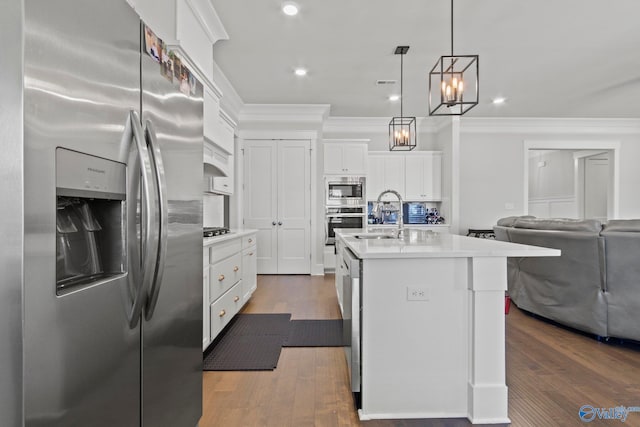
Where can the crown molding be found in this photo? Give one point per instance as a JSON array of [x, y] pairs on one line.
[[279, 135], [209, 20], [288, 113], [372, 125], [549, 125], [231, 102]]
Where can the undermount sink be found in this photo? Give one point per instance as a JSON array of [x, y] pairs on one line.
[[374, 236]]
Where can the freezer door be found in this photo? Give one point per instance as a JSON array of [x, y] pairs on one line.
[[172, 325], [81, 358]]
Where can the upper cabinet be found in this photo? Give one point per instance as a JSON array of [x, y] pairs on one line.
[[423, 176], [386, 172], [191, 27], [417, 175], [345, 158]]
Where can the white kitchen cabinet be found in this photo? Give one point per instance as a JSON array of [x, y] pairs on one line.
[[190, 27], [385, 172], [423, 176], [345, 158], [249, 266], [206, 314], [211, 108], [219, 167], [229, 280]]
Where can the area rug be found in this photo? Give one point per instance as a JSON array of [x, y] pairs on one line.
[[315, 333], [252, 342]]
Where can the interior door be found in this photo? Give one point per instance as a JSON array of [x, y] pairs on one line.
[[277, 202], [260, 200], [596, 182], [294, 204]]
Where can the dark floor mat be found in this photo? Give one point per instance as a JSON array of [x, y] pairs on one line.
[[315, 333], [252, 342]]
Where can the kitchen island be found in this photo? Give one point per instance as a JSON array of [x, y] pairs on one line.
[[431, 324]]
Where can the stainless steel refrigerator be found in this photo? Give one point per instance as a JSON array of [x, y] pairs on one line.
[[101, 299]]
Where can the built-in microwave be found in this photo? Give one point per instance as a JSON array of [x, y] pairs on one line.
[[345, 191]]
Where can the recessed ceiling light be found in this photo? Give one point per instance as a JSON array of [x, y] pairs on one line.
[[290, 8], [394, 97], [300, 72], [498, 101]]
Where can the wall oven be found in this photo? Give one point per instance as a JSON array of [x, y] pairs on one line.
[[345, 191], [343, 217]]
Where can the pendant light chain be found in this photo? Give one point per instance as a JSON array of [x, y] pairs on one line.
[[401, 79], [451, 27]]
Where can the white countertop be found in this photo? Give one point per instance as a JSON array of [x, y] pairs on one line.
[[233, 234], [427, 244]]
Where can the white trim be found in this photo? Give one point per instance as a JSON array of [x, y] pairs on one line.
[[284, 113], [206, 15], [614, 166], [232, 102], [227, 118], [550, 126], [346, 139], [373, 125], [250, 134]]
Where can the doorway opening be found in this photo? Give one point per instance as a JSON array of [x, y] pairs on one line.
[[571, 179]]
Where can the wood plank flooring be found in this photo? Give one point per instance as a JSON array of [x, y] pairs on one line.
[[551, 372]]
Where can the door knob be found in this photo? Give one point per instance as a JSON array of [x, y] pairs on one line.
[[273, 223], [279, 222]]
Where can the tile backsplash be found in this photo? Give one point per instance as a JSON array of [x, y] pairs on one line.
[[213, 210]]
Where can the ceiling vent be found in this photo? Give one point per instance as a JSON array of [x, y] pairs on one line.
[[385, 82]]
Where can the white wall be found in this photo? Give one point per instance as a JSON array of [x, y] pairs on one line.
[[552, 184], [491, 165]]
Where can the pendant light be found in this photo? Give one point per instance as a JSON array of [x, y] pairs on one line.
[[402, 130], [453, 83]]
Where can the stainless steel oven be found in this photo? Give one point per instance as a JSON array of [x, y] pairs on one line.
[[345, 191], [343, 217]]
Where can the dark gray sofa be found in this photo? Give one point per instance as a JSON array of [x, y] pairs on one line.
[[594, 286]]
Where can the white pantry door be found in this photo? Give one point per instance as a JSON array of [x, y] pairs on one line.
[[277, 202]]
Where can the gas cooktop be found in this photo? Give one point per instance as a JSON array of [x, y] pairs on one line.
[[215, 231]]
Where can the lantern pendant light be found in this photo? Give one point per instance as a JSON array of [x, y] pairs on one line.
[[453, 83], [402, 130]]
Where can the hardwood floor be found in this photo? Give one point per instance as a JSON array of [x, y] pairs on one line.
[[551, 372]]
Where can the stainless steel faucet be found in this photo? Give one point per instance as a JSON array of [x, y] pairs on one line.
[[400, 213]]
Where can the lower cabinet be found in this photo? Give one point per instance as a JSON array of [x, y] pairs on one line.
[[229, 279], [250, 267]]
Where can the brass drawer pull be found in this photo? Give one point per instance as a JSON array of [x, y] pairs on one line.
[[222, 313], [236, 298], [250, 253], [236, 268], [221, 278]]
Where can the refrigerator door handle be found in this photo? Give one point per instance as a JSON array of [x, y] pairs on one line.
[[141, 273], [156, 157]]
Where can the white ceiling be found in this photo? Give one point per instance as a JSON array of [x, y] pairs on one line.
[[562, 58]]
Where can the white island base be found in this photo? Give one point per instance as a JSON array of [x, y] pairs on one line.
[[442, 355]]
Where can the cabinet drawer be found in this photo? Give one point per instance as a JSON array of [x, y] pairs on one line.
[[220, 251], [248, 241], [224, 275], [224, 308]]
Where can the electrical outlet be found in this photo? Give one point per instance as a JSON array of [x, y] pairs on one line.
[[415, 293]]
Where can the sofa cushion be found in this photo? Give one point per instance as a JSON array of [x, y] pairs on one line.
[[561, 224], [510, 220], [622, 225]]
